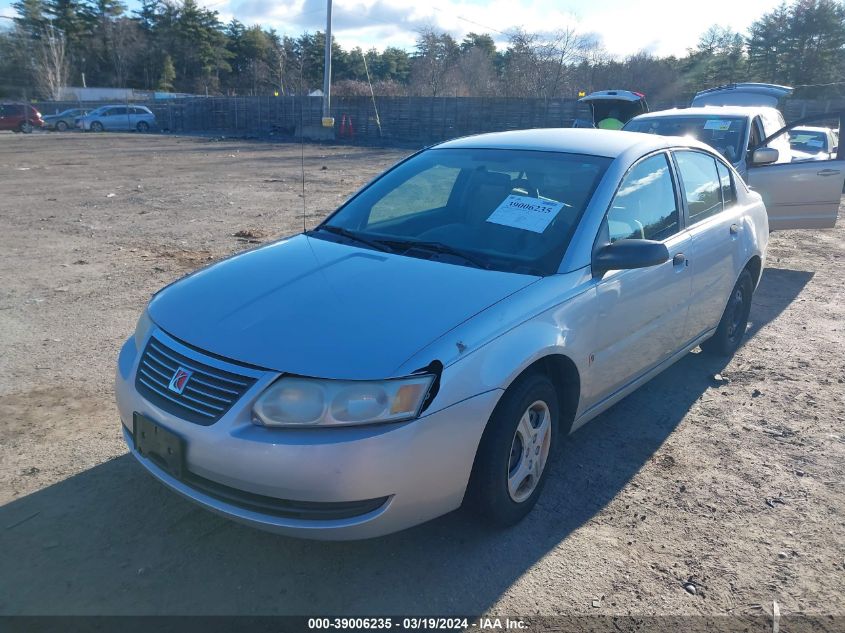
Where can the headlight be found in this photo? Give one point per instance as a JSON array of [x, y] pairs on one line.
[[145, 324], [312, 402]]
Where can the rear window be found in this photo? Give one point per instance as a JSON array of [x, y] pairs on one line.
[[808, 141]]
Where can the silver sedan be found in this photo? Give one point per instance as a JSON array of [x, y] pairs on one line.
[[434, 340]]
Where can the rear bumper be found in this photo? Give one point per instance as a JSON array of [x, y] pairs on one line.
[[368, 481]]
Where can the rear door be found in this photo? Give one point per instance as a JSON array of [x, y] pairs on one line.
[[118, 118], [714, 223], [799, 195], [135, 115]]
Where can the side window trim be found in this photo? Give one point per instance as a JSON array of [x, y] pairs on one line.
[[725, 205], [680, 196]]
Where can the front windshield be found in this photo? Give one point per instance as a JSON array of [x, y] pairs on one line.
[[725, 134], [509, 210], [808, 141]]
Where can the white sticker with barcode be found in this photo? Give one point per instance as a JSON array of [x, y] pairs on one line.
[[717, 124], [528, 214]]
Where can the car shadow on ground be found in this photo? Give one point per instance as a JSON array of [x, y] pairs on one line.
[[112, 540]]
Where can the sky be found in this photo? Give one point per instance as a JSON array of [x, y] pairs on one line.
[[661, 27]]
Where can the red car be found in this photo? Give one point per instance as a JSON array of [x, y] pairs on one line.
[[19, 117]]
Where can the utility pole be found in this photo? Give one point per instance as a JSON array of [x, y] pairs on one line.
[[328, 121]]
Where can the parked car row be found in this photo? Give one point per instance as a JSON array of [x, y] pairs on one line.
[[19, 117]]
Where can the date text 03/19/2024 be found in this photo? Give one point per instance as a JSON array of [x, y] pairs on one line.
[[416, 623]]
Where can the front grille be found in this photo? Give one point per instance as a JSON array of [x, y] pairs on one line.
[[208, 394], [306, 510]]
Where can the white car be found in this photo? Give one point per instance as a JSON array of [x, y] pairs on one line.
[[755, 139], [433, 341]]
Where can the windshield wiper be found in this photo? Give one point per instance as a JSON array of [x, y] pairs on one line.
[[438, 247], [355, 237]]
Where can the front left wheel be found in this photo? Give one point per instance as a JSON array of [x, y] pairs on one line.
[[511, 465], [143, 126], [26, 127]]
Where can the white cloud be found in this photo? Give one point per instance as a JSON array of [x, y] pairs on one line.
[[659, 26]]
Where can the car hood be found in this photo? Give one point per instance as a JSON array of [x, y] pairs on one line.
[[314, 307]]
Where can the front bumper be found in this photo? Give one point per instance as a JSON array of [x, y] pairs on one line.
[[417, 470]]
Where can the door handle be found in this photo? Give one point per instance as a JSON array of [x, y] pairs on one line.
[[827, 172], [679, 259]]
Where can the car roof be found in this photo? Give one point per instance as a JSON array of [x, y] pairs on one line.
[[810, 128], [607, 143], [742, 111], [742, 94]]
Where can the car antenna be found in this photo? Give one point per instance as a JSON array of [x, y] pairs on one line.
[[302, 143]]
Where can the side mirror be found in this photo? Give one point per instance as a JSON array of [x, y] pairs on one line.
[[764, 156], [628, 254]]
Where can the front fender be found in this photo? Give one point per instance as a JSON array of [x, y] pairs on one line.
[[564, 325]]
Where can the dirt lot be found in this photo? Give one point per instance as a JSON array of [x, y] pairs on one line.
[[736, 486]]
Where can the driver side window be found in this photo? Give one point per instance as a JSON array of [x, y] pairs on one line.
[[645, 206]]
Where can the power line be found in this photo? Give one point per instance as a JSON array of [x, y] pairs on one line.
[[459, 17]]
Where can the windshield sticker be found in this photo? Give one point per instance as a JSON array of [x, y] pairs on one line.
[[528, 214], [717, 124]]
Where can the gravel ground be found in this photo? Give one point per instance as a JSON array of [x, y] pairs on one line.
[[733, 485]]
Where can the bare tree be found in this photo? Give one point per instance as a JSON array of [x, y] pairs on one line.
[[123, 38], [556, 55], [477, 73], [540, 65], [51, 63]]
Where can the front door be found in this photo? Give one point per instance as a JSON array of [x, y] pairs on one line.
[[641, 314], [799, 195]]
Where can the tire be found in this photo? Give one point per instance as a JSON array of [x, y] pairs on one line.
[[143, 126], [96, 126], [734, 320], [504, 487], [61, 126], [26, 127]]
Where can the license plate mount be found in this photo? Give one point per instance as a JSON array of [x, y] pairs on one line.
[[158, 444]]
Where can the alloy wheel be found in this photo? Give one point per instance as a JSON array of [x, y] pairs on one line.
[[529, 451]]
